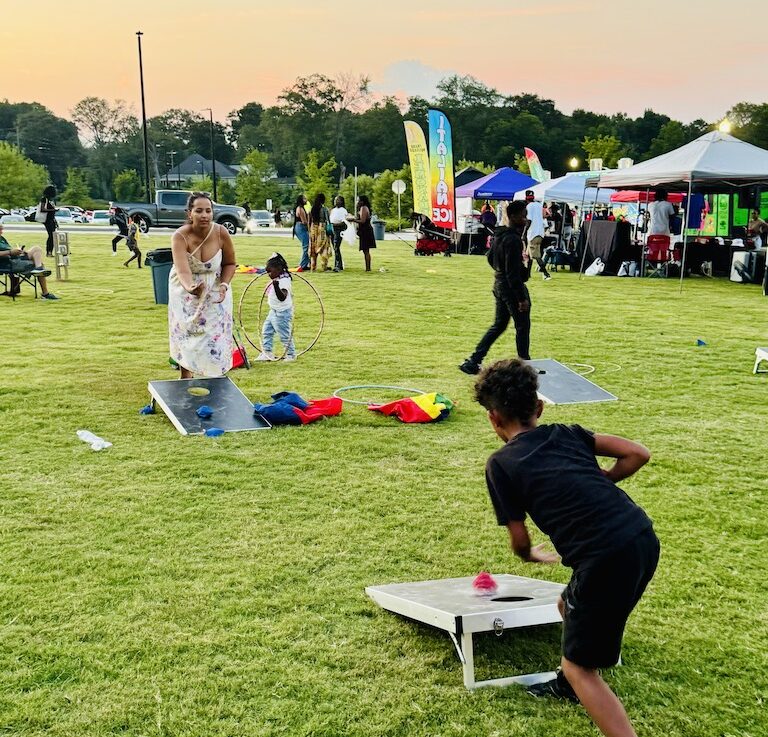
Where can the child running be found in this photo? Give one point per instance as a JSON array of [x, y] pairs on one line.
[[550, 473], [132, 240], [280, 318]]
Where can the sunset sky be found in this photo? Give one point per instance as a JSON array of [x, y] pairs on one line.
[[688, 59]]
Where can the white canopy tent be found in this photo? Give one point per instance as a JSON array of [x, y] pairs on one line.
[[714, 162], [570, 188]]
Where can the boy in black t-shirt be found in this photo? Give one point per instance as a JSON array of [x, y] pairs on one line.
[[550, 473]]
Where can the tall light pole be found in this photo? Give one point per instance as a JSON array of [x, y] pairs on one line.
[[173, 153], [213, 160], [139, 34]]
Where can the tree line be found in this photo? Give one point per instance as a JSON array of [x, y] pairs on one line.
[[318, 131]]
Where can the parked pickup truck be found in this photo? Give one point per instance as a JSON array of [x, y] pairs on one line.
[[169, 211]]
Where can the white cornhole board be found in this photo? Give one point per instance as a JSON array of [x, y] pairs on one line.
[[761, 354], [560, 385], [453, 605]]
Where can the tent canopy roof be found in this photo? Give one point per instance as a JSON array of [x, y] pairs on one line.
[[570, 188], [499, 185], [713, 161]]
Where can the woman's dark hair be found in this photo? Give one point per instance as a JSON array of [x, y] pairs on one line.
[[49, 192], [197, 196], [277, 261], [339, 201], [317, 207], [510, 388], [659, 195], [363, 200], [299, 202], [136, 218]]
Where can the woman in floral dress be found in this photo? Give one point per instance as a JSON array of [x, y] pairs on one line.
[[199, 298]]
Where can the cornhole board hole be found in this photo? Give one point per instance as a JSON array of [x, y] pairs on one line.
[[232, 410], [453, 605], [560, 385]]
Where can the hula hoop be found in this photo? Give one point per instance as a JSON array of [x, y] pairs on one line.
[[258, 346], [589, 368], [338, 392]]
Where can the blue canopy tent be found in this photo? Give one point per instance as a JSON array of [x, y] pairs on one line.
[[501, 184]]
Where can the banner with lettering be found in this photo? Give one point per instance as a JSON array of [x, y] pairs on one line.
[[534, 165], [419, 159], [441, 165]]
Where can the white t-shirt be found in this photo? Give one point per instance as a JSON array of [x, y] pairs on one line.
[[535, 213], [660, 212], [285, 283], [338, 215]]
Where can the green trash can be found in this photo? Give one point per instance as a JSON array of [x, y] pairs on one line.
[[160, 262], [379, 228]]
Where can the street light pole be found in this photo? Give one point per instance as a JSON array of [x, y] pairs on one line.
[[139, 34], [167, 181], [213, 160]]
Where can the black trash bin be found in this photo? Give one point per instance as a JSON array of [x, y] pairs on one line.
[[160, 262]]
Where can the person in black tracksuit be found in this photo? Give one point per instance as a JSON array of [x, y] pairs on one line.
[[512, 298], [120, 218]]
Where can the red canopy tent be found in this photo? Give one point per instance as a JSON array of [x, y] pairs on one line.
[[644, 196]]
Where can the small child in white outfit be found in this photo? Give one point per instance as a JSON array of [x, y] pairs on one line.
[[280, 318]]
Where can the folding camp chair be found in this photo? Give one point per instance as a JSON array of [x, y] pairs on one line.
[[14, 272], [656, 255]]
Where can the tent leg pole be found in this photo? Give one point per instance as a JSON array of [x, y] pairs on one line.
[[589, 231], [685, 233]]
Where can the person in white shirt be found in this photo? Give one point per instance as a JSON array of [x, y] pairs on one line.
[[280, 317], [661, 211], [338, 218], [534, 232]]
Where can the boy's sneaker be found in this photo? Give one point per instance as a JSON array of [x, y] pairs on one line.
[[469, 367], [289, 358], [265, 357], [557, 688], [547, 277], [50, 295], [40, 271]]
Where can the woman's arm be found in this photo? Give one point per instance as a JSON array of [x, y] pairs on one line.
[[181, 264], [228, 262], [630, 456]]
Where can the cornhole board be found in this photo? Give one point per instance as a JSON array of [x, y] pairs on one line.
[[761, 354], [560, 385], [232, 410], [453, 605]]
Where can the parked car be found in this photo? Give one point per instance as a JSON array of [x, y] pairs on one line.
[[64, 216], [259, 219], [99, 217], [78, 214], [10, 218], [170, 210]]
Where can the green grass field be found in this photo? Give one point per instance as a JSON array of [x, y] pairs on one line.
[[190, 586]]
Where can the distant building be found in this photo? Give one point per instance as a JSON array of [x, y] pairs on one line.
[[198, 167]]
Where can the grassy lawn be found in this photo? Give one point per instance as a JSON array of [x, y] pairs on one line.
[[189, 586]]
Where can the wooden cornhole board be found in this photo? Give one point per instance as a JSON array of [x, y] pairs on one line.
[[453, 605]]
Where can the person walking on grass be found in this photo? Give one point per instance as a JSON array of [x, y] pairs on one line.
[[534, 232], [509, 291], [319, 235], [301, 231], [120, 219], [132, 240], [550, 473], [47, 206], [338, 218]]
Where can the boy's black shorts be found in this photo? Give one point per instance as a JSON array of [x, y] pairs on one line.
[[599, 598]]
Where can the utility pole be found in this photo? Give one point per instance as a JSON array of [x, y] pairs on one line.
[[213, 160], [139, 34]]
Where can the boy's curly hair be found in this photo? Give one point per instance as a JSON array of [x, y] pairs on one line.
[[509, 387]]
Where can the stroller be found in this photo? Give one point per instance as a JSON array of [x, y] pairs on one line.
[[430, 238]]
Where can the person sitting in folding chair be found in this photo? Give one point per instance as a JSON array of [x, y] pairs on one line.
[[22, 259]]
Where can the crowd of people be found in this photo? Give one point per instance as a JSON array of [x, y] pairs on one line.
[[321, 231]]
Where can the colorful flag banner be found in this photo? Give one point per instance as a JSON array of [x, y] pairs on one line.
[[441, 164], [421, 408], [419, 158], [534, 165]]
